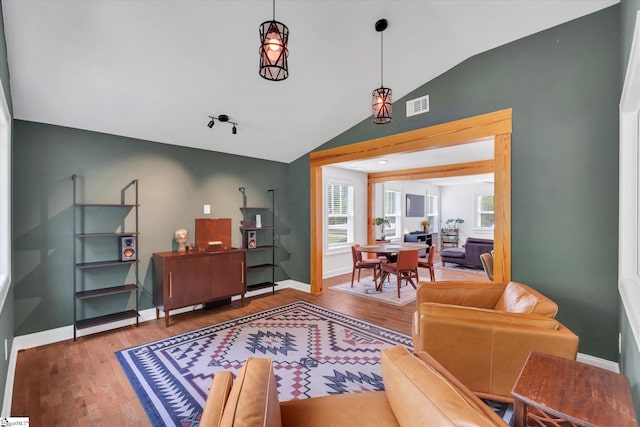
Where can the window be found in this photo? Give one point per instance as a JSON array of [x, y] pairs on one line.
[[339, 214], [485, 214], [5, 198], [393, 212], [432, 212]]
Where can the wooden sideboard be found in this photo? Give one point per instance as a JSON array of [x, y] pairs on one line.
[[181, 279]]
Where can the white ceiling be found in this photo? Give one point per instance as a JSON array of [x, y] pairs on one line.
[[155, 70]]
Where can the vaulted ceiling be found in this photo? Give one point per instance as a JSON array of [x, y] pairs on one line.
[[155, 70]]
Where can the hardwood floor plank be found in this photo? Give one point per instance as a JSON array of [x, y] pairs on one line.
[[82, 384]]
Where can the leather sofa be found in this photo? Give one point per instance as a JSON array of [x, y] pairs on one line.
[[483, 332], [469, 255], [418, 392]]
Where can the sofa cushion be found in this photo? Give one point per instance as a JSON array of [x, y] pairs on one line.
[[520, 298], [369, 408], [419, 395], [516, 299], [253, 400], [453, 253]]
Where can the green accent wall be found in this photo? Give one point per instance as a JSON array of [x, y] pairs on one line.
[[174, 184], [630, 357], [563, 86]]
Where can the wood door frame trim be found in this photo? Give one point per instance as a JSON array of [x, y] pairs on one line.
[[497, 124]]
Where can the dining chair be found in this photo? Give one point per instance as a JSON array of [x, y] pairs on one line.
[[487, 263], [359, 264], [406, 267], [428, 263]]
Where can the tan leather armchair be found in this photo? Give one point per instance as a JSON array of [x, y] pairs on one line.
[[483, 332]]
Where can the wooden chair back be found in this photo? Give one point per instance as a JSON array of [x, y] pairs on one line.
[[407, 259]]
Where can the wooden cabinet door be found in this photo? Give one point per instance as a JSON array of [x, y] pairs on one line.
[[188, 281], [228, 273]]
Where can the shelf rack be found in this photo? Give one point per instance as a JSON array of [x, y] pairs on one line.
[[265, 241], [81, 240]]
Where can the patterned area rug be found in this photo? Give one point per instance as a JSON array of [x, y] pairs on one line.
[[315, 352], [366, 288]]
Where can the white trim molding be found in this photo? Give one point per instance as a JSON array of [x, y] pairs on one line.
[[629, 188]]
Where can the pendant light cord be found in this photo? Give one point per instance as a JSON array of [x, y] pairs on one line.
[[274, 10], [381, 58]]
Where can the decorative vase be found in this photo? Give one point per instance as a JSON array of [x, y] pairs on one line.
[[425, 229]]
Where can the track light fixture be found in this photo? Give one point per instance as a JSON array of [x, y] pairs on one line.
[[224, 119]]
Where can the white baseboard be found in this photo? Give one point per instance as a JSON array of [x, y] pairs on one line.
[[23, 342], [598, 362]]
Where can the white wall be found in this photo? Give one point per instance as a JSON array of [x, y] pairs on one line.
[[459, 202], [339, 261]]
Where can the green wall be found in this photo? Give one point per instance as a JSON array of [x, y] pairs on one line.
[[174, 184], [630, 358], [563, 86], [6, 312]]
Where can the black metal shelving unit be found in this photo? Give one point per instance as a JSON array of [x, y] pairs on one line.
[[265, 241], [81, 241]]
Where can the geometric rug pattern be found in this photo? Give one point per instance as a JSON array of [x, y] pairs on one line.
[[366, 288], [315, 352]]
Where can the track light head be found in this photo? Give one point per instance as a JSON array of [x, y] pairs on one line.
[[211, 123], [234, 130]]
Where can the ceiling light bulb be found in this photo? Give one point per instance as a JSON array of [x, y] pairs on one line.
[[275, 47]]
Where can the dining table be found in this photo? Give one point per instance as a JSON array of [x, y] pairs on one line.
[[388, 250], [391, 248]]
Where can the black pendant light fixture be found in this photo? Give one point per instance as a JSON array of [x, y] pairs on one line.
[[274, 51], [382, 96]]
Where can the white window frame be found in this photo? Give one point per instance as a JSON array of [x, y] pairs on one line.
[[629, 191], [350, 216], [479, 212], [5, 198], [397, 215], [433, 214]]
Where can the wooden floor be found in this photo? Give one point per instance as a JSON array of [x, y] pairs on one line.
[[82, 384]]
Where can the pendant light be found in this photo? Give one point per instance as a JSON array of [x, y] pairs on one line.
[[382, 96], [274, 40]]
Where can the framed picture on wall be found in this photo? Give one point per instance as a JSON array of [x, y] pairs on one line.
[[415, 205]]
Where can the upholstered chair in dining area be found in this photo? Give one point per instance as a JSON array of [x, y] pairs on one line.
[[483, 332], [359, 263], [405, 268], [428, 263], [487, 264]]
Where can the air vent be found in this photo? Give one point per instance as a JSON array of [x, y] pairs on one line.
[[418, 106]]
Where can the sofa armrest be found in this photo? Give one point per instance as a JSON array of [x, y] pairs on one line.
[[216, 399], [467, 294], [474, 314]]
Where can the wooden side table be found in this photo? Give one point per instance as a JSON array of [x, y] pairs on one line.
[[552, 391]]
